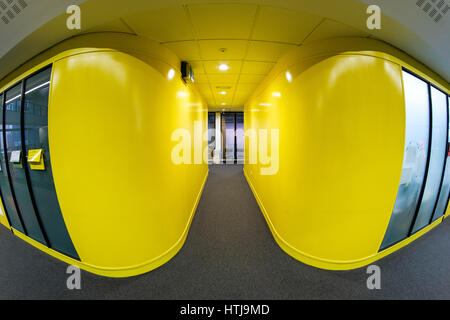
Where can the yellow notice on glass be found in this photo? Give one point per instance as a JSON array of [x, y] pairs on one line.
[[36, 159]]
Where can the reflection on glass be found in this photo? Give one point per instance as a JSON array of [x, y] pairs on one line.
[[41, 182], [7, 197], [445, 189], [414, 162], [211, 135], [437, 157], [16, 169], [240, 137], [229, 137]]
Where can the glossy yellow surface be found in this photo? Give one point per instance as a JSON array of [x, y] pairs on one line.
[[341, 124], [112, 112], [3, 218]]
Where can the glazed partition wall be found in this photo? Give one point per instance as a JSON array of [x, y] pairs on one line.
[[26, 183], [442, 203], [233, 137], [211, 135], [424, 188]]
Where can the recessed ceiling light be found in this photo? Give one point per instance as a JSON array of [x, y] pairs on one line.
[[224, 103], [223, 67], [223, 92], [288, 76], [276, 94], [171, 74]]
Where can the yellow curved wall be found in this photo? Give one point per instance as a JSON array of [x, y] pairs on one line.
[[3, 218], [112, 112], [341, 124]]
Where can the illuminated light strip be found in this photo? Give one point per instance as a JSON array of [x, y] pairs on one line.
[[29, 91], [12, 99], [39, 86]]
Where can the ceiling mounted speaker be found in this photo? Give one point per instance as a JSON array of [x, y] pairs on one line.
[[9, 9], [186, 72], [435, 9]]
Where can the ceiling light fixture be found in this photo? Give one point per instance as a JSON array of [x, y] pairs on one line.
[[171, 74], [223, 92], [223, 67], [288, 76]]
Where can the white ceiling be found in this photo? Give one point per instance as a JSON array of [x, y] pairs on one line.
[[255, 34]]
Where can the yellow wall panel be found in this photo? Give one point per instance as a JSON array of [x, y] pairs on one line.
[[3, 218], [112, 113], [341, 123]]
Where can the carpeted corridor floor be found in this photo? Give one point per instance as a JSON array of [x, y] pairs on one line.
[[230, 254]]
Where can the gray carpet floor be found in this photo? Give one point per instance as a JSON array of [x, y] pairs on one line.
[[231, 254]]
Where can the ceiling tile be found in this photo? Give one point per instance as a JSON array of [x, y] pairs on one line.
[[222, 20], [332, 29], [168, 24], [212, 66], [201, 78], [267, 51], [197, 67], [245, 88], [234, 49], [223, 77], [239, 100], [115, 25], [185, 50], [251, 78], [257, 67], [203, 87], [283, 25]]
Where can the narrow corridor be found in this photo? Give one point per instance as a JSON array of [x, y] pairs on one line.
[[230, 254]]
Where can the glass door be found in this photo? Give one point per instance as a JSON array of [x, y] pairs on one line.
[[233, 137]]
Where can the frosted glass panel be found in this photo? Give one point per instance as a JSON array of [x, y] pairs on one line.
[[437, 157], [443, 195], [414, 161]]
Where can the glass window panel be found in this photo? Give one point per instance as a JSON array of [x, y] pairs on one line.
[[211, 134], [415, 158], [437, 158], [41, 182], [6, 194], [18, 176], [441, 206], [229, 137], [240, 136]]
